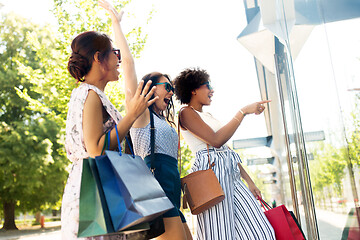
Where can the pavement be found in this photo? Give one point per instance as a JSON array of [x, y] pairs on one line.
[[29, 232], [330, 226]]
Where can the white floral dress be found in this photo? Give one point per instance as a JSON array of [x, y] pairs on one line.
[[76, 152]]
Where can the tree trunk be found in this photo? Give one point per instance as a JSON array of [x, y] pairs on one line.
[[331, 202], [37, 217], [9, 216], [54, 212]]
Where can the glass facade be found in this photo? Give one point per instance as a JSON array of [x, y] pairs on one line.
[[312, 74]]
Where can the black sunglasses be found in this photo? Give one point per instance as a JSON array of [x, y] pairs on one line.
[[117, 53], [207, 85], [168, 86]]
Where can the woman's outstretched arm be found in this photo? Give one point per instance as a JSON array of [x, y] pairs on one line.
[[127, 60], [191, 121]]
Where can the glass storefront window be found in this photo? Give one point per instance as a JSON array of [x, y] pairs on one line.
[[318, 81], [316, 75]]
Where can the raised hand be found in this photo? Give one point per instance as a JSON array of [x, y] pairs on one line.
[[136, 104], [257, 107], [115, 15]]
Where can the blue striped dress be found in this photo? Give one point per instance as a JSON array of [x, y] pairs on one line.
[[239, 215]]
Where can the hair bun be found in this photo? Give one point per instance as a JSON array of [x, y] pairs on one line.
[[78, 66]]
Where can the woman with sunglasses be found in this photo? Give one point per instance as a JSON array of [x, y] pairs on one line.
[[238, 216], [166, 171], [165, 166], [94, 62]]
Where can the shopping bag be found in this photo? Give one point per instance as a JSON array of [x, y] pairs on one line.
[[94, 216], [352, 228], [284, 224], [133, 195], [94, 219]]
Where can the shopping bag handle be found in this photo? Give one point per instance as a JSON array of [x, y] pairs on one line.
[[106, 143], [264, 204], [119, 143]]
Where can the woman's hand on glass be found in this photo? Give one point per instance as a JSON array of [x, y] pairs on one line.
[[257, 107], [137, 103], [115, 15]]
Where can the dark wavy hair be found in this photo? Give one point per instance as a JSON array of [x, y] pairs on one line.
[[187, 81], [155, 77], [84, 47]]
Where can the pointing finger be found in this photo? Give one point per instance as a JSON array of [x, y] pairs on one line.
[[264, 101]]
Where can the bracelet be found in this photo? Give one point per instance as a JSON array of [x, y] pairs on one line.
[[237, 119], [242, 112]]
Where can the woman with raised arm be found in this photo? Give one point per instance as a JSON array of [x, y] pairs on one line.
[[94, 62], [238, 216], [165, 145]]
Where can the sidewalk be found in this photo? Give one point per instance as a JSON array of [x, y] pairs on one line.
[[29, 230]]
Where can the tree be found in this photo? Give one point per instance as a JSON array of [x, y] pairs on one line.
[[37, 88], [186, 159], [32, 161], [328, 169], [75, 17], [354, 139]]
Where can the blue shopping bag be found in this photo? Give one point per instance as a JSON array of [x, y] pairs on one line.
[[94, 215], [132, 193]]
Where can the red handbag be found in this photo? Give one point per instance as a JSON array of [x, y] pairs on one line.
[[285, 224]]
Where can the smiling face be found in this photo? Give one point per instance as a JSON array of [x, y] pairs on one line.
[[111, 69], [165, 93], [203, 94]]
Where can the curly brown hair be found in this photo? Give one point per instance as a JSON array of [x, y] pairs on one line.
[[187, 81]]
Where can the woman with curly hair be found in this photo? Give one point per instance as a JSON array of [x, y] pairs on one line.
[[239, 215]]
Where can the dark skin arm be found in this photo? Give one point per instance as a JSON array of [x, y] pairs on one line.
[[191, 121]]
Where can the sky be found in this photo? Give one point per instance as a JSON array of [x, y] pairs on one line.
[[186, 34], [203, 34]]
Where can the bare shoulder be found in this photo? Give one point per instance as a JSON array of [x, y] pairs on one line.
[[189, 118], [92, 97], [187, 111], [92, 101]]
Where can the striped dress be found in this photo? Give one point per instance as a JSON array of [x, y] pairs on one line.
[[239, 215]]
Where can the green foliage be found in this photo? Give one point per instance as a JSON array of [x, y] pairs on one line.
[[77, 16], [32, 160], [328, 168], [35, 90], [187, 158], [354, 141]]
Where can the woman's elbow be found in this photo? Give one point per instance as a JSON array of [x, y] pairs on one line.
[[93, 152], [216, 144]]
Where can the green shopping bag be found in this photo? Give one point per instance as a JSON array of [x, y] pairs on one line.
[[94, 219], [94, 216]]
